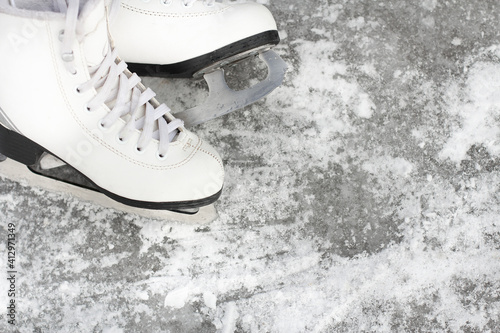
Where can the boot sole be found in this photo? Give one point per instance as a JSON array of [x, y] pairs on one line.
[[195, 67], [23, 150]]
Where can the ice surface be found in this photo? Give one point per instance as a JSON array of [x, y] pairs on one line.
[[361, 196]]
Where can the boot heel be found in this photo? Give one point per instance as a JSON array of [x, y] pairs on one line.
[[18, 147]]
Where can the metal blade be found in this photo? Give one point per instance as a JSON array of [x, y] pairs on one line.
[[223, 100]]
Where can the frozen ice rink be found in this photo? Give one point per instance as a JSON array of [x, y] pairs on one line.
[[361, 196]]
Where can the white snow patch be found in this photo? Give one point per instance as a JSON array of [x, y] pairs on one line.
[[177, 298], [478, 111], [283, 34], [356, 23], [430, 5], [114, 329], [210, 300], [370, 70], [230, 316], [8, 200], [153, 232], [108, 261], [381, 165], [329, 13], [72, 290], [143, 295], [322, 95], [322, 104], [365, 107]]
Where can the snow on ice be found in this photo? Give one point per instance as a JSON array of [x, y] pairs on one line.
[[361, 196]]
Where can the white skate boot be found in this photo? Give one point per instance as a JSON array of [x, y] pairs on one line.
[[64, 93], [194, 38]]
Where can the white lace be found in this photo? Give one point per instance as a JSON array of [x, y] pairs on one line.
[[121, 91]]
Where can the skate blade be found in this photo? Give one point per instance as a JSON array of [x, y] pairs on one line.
[[222, 100], [17, 172], [226, 62]]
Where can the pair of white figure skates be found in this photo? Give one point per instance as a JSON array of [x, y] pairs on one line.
[[67, 97]]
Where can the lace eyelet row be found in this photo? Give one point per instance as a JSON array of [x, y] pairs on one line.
[[67, 57], [137, 149]]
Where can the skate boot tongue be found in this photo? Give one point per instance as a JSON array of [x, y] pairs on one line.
[[92, 24]]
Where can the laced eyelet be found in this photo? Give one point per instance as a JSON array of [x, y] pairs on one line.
[[120, 140], [101, 125], [139, 150], [61, 35], [166, 2], [161, 157]]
